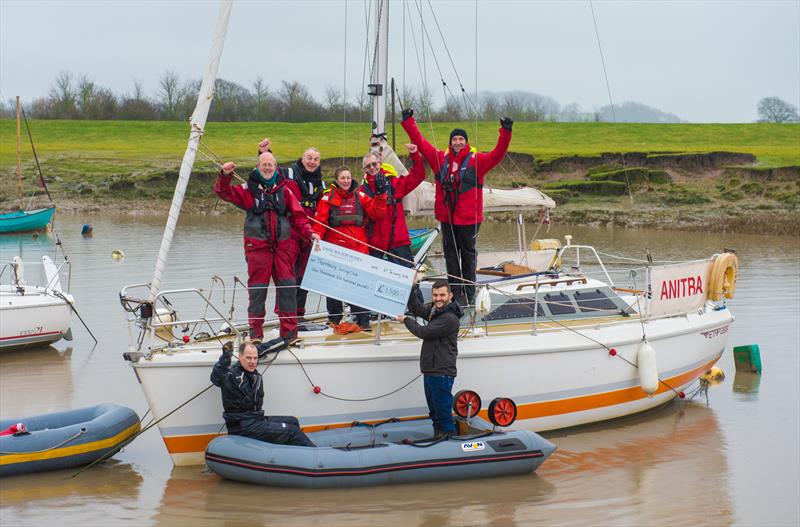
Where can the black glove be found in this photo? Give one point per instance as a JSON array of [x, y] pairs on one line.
[[227, 348], [380, 183], [407, 112], [506, 123]]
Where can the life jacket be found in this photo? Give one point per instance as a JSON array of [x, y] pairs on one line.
[[310, 192], [391, 201], [348, 212], [453, 187], [268, 217]]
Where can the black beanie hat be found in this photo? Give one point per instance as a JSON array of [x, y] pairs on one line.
[[459, 131]]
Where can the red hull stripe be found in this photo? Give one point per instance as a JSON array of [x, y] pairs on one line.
[[371, 470], [32, 335]]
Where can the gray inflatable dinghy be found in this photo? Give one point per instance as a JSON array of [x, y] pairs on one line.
[[390, 452], [64, 439]]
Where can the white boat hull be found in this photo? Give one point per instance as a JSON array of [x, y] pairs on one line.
[[32, 319], [558, 378]]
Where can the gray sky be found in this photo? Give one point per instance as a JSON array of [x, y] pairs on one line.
[[706, 61]]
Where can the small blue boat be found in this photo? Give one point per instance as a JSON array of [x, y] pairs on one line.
[[385, 453], [26, 220], [64, 439]]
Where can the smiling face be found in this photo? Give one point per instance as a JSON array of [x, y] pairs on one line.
[[344, 179], [371, 164], [248, 358], [457, 143], [441, 296], [267, 164], [310, 159]]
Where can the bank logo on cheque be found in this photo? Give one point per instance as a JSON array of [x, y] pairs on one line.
[[473, 446]]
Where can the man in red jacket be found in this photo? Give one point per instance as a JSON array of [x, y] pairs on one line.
[[390, 233], [270, 250], [459, 173]]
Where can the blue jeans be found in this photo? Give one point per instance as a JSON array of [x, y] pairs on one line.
[[439, 394]]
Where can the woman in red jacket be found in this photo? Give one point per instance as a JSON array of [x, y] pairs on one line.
[[341, 216]]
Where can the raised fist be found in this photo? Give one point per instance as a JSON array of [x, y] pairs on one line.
[[407, 112], [507, 123], [412, 148], [264, 145], [380, 183], [228, 168]]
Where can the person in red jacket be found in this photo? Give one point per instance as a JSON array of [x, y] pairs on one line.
[[459, 173], [270, 249], [390, 233], [341, 215], [304, 179]]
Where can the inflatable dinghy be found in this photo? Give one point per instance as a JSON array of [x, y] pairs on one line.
[[394, 451], [64, 439]]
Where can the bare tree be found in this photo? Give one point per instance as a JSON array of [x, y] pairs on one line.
[[169, 94], [263, 101], [775, 110], [63, 96]]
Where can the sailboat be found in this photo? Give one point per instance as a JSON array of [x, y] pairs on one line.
[[566, 347], [24, 220]]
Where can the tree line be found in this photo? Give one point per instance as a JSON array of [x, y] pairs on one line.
[[80, 97]]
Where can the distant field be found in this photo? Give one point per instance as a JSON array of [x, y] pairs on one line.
[[95, 148]]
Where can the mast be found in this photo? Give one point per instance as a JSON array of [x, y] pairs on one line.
[[19, 161], [198, 123], [379, 73]]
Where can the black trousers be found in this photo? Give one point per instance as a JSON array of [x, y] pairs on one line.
[[278, 429], [461, 259]]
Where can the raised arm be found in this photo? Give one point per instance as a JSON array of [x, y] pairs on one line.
[[220, 370], [225, 190], [416, 174], [428, 151], [488, 160]]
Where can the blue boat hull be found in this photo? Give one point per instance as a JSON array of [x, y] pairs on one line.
[[22, 221], [368, 455], [66, 439]]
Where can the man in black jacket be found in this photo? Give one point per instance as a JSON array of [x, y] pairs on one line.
[[437, 361], [243, 399]]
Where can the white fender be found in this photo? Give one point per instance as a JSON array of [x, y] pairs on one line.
[[648, 371], [483, 301], [19, 271], [51, 274]]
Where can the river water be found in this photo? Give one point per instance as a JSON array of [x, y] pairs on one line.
[[731, 461]]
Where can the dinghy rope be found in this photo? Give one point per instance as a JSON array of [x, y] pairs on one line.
[[64, 442]]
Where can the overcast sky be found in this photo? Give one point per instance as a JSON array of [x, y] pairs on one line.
[[706, 61]]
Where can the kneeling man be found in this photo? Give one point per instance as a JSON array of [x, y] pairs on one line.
[[243, 399]]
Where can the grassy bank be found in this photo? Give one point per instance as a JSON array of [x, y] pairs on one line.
[[702, 169]]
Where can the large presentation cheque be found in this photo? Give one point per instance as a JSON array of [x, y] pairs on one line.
[[358, 279]]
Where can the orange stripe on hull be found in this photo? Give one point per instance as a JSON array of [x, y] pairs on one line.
[[198, 443]]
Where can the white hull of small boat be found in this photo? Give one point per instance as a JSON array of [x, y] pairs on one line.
[[34, 315], [558, 378]]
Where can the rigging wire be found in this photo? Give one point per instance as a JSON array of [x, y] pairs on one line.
[[610, 98], [425, 99], [344, 88]]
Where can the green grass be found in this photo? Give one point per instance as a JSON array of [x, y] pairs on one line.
[[108, 144]]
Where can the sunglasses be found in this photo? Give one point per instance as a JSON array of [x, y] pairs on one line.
[[374, 164]]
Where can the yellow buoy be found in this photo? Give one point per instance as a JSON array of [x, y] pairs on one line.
[[714, 375], [116, 254]]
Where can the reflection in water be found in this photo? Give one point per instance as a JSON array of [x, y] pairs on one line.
[[98, 497], [747, 383], [35, 381], [686, 464]]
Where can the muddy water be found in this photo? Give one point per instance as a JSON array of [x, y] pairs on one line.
[[733, 461]]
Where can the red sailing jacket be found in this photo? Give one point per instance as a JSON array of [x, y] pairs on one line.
[[459, 178], [351, 210], [272, 226], [379, 232]]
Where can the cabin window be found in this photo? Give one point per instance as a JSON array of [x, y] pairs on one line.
[[595, 302], [559, 304], [515, 308]]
